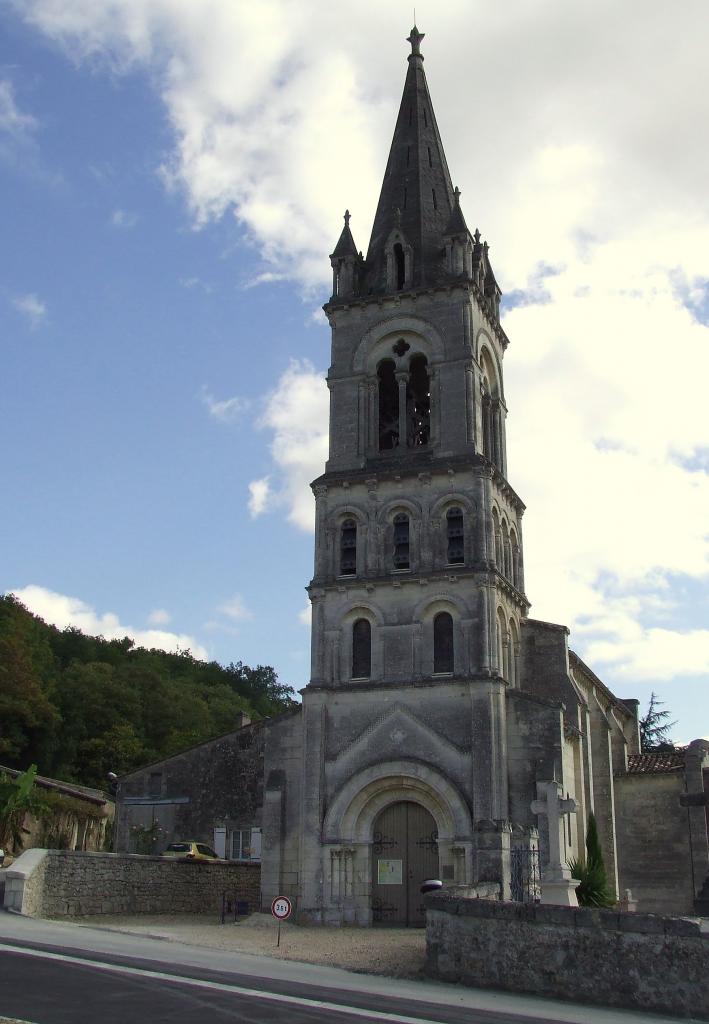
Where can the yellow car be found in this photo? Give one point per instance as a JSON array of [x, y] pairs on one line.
[[190, 850]]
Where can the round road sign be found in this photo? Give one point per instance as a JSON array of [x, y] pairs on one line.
[[281, 908]]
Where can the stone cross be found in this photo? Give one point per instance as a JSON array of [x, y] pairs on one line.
[[557, 884]]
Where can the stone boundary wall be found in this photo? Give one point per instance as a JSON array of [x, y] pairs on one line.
[[637, 961], [64, 883]]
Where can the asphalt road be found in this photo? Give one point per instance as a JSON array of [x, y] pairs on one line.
[[62, 973]]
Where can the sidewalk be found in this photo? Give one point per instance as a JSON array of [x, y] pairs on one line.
[[395, 952]]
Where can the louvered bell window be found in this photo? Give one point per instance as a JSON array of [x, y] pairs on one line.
[[443, 643], [456, 536], [348, 548], [401, 541]]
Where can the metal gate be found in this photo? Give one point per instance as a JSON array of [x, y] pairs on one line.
[[525, 882], [404, 853]]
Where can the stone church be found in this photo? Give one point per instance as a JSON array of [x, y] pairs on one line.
[[437, 711]]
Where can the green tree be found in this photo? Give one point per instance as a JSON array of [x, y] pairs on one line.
[[28, 718], [593, 889], [17, 799], [654, 727], [81, 706]]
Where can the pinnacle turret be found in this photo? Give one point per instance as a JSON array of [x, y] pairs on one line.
[[346, 244]]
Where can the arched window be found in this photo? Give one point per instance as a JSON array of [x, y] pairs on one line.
[[496, 540], [503, 646], [418, 403], [348, 548], [506, 552], [443, 643], [400, 264], [514, 654], [491, 414], [401, 541], [388, 406], [361, 649], [516, 574], [456, 536]]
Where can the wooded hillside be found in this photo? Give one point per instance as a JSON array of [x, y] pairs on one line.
[[80, 706]]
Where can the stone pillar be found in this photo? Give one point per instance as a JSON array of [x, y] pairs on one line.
[[373, 417], [321, 552], [435, 414], [491, 854], [402, 379], [696, 761], [470, 402], [311, 864], [558, 887]]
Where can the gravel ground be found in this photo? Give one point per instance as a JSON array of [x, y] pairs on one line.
[[396, 952]]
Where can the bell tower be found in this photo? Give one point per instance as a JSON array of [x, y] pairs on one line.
[[415, 498], [418, 592]]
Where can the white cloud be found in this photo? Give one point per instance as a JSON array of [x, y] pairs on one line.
[[259, 493], [13, 121], [594, 166], [159, 617], [31, 307], [62, 611], [235, 609], [654, 654], [124, 219], [296, 413], [226, 410], [305, 617]]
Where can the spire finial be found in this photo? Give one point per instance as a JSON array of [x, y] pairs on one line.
[[476, 236], [456, 195], [347, 218], [415, 38]]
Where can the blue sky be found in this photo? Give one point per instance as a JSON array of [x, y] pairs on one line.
[[173, 178]]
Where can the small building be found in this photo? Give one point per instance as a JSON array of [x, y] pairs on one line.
[[76, 818]]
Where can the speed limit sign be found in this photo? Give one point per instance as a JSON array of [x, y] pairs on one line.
[[281, 908]]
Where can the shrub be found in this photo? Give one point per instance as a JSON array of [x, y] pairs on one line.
[[593, 889]]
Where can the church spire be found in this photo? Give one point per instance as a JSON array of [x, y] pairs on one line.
[[417, 194]]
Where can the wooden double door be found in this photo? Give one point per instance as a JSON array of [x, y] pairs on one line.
[[404, 854]]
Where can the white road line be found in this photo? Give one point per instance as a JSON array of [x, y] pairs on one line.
[[215, 986]]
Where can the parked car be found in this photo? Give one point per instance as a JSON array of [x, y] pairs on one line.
[[190, 850]]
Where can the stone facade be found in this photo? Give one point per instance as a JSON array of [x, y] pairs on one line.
[[637, 961], [662, 815], [62, 883], [218, 784], [431, 687]]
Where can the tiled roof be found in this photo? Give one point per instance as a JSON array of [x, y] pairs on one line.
[[655, 763], [93, 796]]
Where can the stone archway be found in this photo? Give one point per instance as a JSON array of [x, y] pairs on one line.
[[349, 828]]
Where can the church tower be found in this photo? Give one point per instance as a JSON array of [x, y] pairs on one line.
[[418, 594]]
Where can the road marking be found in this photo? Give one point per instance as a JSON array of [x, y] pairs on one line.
[[215, 986]]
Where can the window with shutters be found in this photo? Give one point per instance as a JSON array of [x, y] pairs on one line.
[[361, 649], [246, 844], [401, 541], [456, 536], [443, 643], [348, 548]]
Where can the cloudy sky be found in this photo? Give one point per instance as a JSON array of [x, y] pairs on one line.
[[173, 175]]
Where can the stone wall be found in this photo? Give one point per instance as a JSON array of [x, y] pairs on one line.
[[638, 961], [217, 783], [63, 883], [653, 842]]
